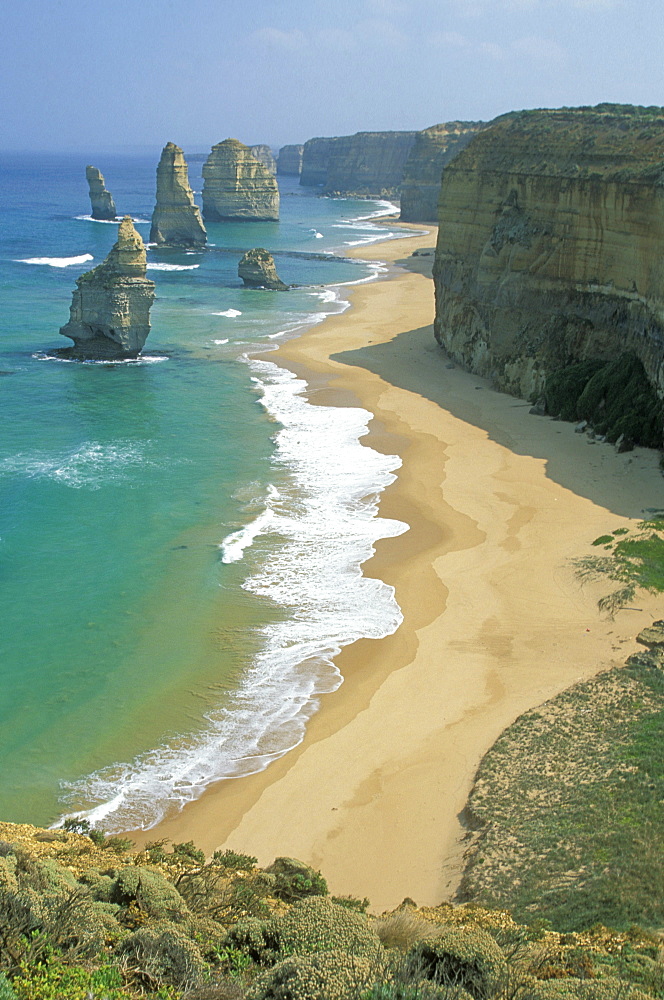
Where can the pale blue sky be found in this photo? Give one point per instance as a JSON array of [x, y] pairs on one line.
[[123, 73]]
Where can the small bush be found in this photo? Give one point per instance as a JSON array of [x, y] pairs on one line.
[[163, 954], [234, 861], [294, 880], [462, 957], [403, 929], [317, 924], [150, 891], [334, 975], [6, 991]]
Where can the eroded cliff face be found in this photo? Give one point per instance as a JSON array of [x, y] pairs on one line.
[[265, 156], [551, 245], [101, 201], [176, 220], [237, 186], [367, 163], [432, 150], [289, 161], [110, 311]]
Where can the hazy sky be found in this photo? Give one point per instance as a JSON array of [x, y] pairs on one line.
[[121, 73]]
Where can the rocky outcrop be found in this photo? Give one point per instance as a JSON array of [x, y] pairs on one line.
[[289, 161], [101, 200], [265, 156], [551, 245], [176, 220], [110, 311], [431, 152], [237, 186], [369, 164], [257, 270]]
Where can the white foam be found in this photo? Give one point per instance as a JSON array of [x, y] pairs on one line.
[[90, 466], [303, 551], [224, 341], [172, 267], [57, 261], [143, 359], [112, 222], [230, 313]]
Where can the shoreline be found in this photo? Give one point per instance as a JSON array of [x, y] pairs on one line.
[[494, 620]]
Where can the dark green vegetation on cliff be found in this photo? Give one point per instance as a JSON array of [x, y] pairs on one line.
[[88, 920], [550, 247], [569, 803]]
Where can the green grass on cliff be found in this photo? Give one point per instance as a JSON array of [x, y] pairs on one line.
[[569, 804], [615, 397]]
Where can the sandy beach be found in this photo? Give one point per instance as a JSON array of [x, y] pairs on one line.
[[495, 621]]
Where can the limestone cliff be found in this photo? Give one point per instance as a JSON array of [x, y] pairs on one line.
[[367, 163], [176, 219], [431, 152], [110, 310], [316, 160], [289, 161], [257, 270], [265, 156], [551, 245], [101, 200], [237, 186]]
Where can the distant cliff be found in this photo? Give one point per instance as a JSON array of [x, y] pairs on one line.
[[367, 163], [265, 156], [551, 245], [237, 186], [289, 161], [431, 152]]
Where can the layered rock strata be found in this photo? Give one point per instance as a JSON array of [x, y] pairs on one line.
[[176, 220], [110, 311], [265, 156], [431, 152], [367, 163], [257, 270], [237, 186], [551, 245], [289, 161], [101, 200]]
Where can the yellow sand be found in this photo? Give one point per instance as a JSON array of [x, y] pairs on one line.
[[495, 620]]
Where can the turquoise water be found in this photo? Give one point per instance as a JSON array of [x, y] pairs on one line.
[[136, 646]]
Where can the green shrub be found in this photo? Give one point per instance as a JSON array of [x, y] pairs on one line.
[[163, 954], [295, 880], [333, 975], [6, 991], [317, 924], [62, 982], [187, 851], [352, 903], [582, 989], [258, 939], [150, 891], [234, 861], [463, 957]]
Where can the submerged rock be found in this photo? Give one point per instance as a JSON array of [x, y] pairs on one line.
[[101, 200], [176, 219], [265, 156], [257, 270], [289, 161], [110, 311], [237, 186]]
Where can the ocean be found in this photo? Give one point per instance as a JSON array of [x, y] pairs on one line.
[[181, 535]]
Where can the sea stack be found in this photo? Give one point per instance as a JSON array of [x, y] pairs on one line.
[[289, 161], [265, 156], [257, 270], [176, 220], [237, 186], [101, 200], [110, 311]]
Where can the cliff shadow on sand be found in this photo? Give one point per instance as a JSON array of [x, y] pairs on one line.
[[414, 361]]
